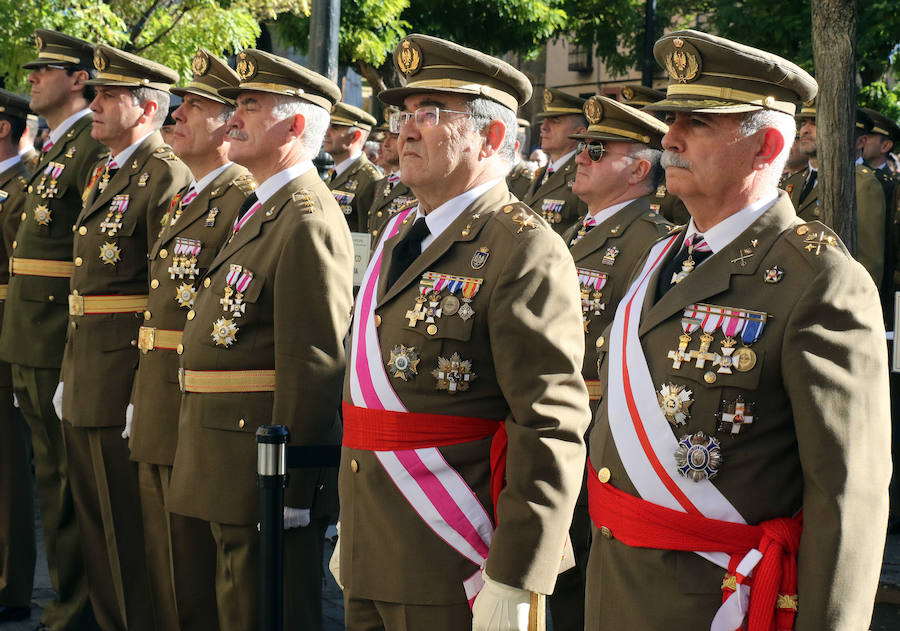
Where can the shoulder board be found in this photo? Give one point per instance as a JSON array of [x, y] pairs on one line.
[[863, 169], [519, 217], [528, 174], [303, 201], [245, 183], [166, 154], [372, 170], [817, 241], [22, 182], [659, 221]]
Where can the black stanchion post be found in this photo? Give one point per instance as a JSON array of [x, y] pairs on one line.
[[271, 476]]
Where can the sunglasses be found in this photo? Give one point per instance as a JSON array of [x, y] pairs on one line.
[[595, 149]]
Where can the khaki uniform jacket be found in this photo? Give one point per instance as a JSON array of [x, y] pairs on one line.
[[30, 159], [819, 438], [13, 186], [525, 345], [357, 186], [36, 308], [870, 208], [554, 200], [388, 201], [208, 219], [611, 248], [101, 353], [297, 315], [520, 179], [669, 206]]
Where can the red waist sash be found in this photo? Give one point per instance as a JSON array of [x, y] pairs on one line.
[[641, 524], [385, 430]]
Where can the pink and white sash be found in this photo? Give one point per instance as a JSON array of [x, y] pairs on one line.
[[433, 488], [646, 444]]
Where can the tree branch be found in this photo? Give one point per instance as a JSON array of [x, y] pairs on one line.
[[138, 27], [164, 33]]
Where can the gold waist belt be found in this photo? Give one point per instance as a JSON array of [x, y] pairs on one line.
[[594, 388], [150, 338], [40, 267], [4, 291], [90, 305], [205, 381]]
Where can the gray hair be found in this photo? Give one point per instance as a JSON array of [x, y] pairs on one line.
[[317, 120], [654, 157], [141, 96], [757, 120], [483, 111]]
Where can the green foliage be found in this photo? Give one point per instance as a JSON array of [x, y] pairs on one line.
[[879, 97]]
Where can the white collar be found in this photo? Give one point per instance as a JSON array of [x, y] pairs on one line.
[[442, 216], [556, 166], [602, 215], [720, 235], [56, 134], [859, 160], [9, 162], [123, 156], [343, 166], [271, 186], [209, 177], [812, 169]]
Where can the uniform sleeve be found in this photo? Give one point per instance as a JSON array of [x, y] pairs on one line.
[[537, 343], [313, 296], [835, 370], [870, 222]]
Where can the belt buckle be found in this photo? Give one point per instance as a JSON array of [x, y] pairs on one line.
[[76, 305], [181, 379], [146, 339]]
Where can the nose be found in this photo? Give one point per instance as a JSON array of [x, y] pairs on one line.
[[582, 157], [32, 77], [673, 140], [545, 126], [178, 114]]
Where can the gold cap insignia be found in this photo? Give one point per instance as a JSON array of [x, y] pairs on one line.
[[409, 59], [200, 64], [39, 42], [245, 67], [683, 63], [593, 110], [548, 98], [100, 62], [628, 93], [810, 103]]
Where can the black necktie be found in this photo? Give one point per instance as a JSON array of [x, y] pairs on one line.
[[407, 250], [808, 186], [664, 282], [247, 205]]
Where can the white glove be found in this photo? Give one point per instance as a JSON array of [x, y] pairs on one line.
[[335, 563], [499, 607], [295, 517], [15, 400], [57, 400], [129, 415]]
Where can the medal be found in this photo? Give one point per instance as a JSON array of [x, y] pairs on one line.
[[591, 282], [734, 414], [453, 375], [450, 305], [774, 275], [42, 214], [403, 362], [142, 181], [434, 309], [224, 332], [674, 401], [70, 152], [417, 313], [185, 294], [698, 456], [211, 217], [113, 221], [110, 253], [689, 324], [610, 257], [551, 210], [480, 257], [744, 359]]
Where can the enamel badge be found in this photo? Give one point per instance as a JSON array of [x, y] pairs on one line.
[[610, 257], [454, 374], [224, 332], [774, 274], [675, 401], [42, 214], [110, 253], [403, 363], [185, 294], [734, 415], [698, 456]]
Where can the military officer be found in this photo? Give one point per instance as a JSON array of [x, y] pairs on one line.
[[17, 547], [639, 96], [127, 196], [264, 343], [391, 194], [870, 203], [197, 222], [468, 328], [551, 193], [739, 460], [521, 175], [36, 317], [353, 177], [619, 169]]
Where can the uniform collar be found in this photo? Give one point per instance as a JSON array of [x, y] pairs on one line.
[[271, 186], [442, 216], [602, 215], [556, 166], [9, 162], [56, 134], [208, 178], [720, 235], [123, 156], [344, 165]]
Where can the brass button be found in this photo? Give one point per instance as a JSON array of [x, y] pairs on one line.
[[206, 282], [601, 341], [73, 228], [74, 325], [603, 475], [15, 243], [354, 466], [24, 216], [31, 189], [179, 349], [507, 209], [191, 314], [377, 320], [802, 230], [163, 253], [378, 214], [606, 532], [432, 329], [154, 283], [134, 342], [74, 292], [147, 315], [78, 261], [709, 377], [82, 230], [241, 423], [51, 298]]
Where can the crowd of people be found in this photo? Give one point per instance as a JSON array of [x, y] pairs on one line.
[[632, 380]]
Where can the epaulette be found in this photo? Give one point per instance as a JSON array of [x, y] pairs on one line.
[[166, 154], [23, 182], [528, 174], [303, 201], [660, 191], [863, 169], [815, 240], [662, 224], [520, 217], [372, 170], [245, 183]]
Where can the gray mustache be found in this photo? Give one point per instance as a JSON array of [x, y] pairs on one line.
[[237, 134], [671, 159]]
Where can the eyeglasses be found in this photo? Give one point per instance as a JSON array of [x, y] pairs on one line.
[[596, 150], [425, 117]]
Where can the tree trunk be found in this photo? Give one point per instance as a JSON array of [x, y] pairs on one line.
[[834, 41]]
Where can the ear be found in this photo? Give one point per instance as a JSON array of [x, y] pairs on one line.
[[493, 138], [298, 124], [357, 134], [639, 172], [150, 109], [80, 76], [5, 129], [771, 146]]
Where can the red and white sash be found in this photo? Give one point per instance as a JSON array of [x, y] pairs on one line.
[[646, 444], [432, 487]]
